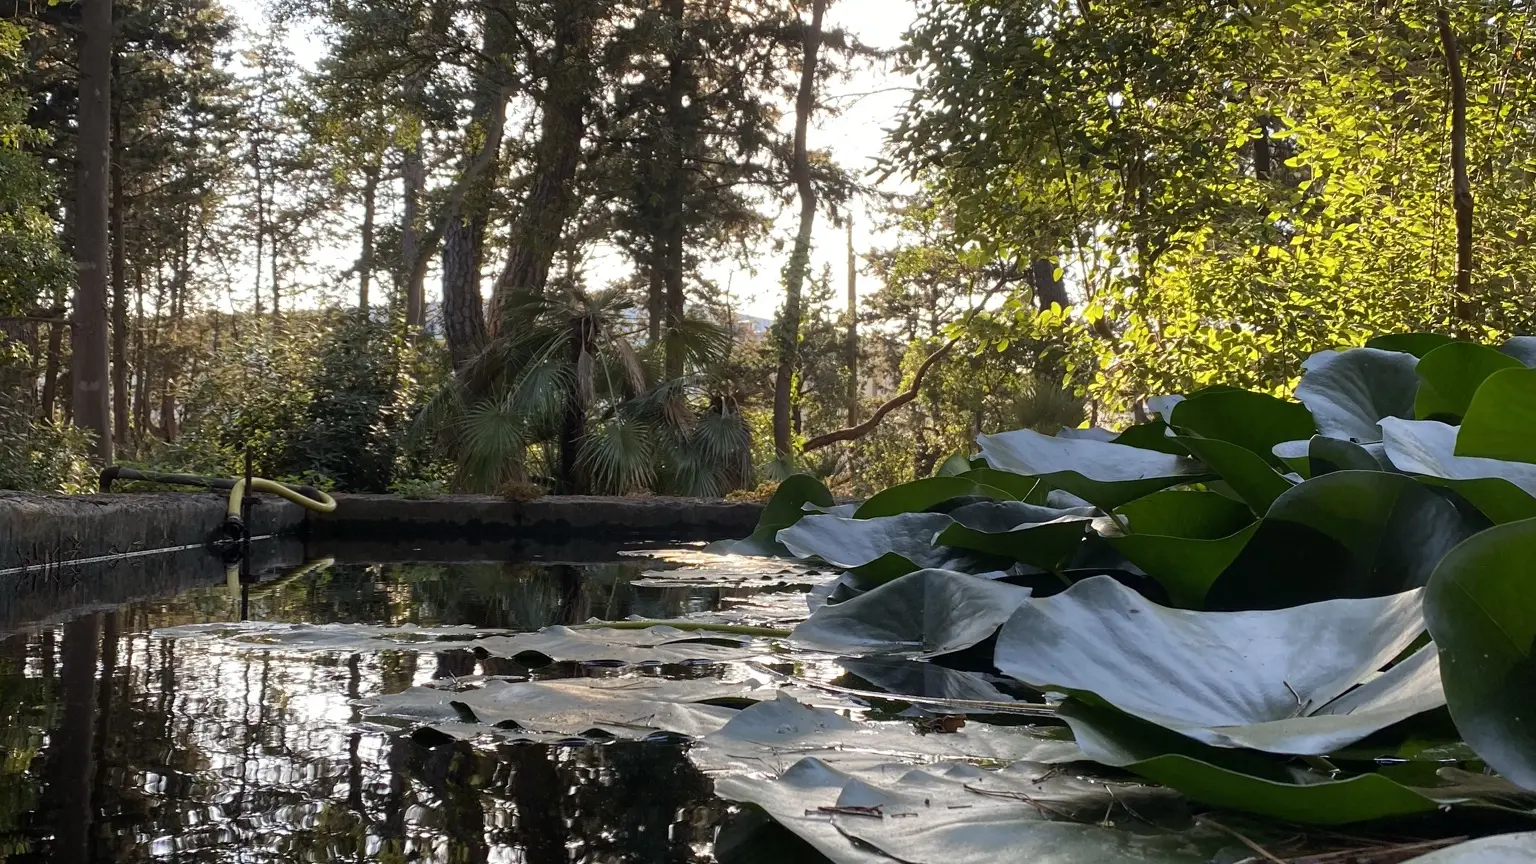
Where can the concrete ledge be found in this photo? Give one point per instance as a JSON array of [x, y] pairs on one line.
[[47, 529], [551, 521]]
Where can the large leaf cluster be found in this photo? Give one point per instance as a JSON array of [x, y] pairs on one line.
[[1249, 599]]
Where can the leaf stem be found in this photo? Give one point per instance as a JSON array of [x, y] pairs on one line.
[[698, 626]]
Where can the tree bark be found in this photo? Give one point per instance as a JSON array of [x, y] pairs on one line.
[[51, 370], [551, 201], [1465, 309], [94, 144], [119, 286], [414, 178], [672, 227], [1048, 287], [365, 261], [852, 358], [800, 258]]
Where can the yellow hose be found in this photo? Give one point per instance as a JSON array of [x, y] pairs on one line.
[[326, 504]]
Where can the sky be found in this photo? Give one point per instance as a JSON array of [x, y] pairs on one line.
[[870, 103]]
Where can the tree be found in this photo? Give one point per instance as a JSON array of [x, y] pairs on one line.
[[92, 237], [799, 261]]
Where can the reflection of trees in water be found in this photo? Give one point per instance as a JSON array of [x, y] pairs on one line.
[[205, 753]]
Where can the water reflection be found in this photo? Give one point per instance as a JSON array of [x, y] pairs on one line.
[[118, 746]]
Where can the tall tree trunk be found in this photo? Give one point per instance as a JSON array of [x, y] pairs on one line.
[[141, 362], [119, 286], [679, 131], [655, 298], [1465, 308], [551, 201], [91, 404], [573, 427], [1049, 288], [365, 262], [852, 358], [800, 258], [414, 179], [51, 370]]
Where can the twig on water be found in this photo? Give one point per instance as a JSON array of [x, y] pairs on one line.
[[1263, 853]]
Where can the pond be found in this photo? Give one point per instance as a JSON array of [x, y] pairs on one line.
[[123, 745]]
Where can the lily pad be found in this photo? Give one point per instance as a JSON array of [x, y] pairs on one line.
[[1253, 421], [919, 678], [1323, 455], [1104, 474], [1417, 344], [940, 814], [1236, 780], [922, 614], [788, 506], [1481, 609], [1350, 392], [919, 495], [1043, 537], [1183, 539], [1502, 491], [1248, 474], [878, 550], [1450, 376], [1259, 680], [1150, 436], [1522, 348], [1500, 419], [1346, 534], [1502, 849]]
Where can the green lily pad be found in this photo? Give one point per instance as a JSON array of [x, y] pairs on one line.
[[1500, 420], [919, 495], [954, 466], [1043, 537], [1258, 680], [1503, 491], [1183, 539], [1235, 779], [1451, 374], [1254, 421], [922, 614], [787, 507], [1016, 485], [1481, 609], [878, 550], [1249, 475], [1105, 474], [1350, 392], [1417, 344], [1323, 455], [1150, 436], [1346, 534]]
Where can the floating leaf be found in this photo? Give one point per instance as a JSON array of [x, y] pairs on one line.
[[878, 550], [1450, 375], [919, 495], [1041, 537], [1260, 680], [1107, 475], [1350, 392], [1151, 436], [1499, 423], [788, 506], [1481, 610], [1323, 455], [1417, 344], [1502, 491], [923, 614], [1248, 474], [1236, 779], [1346, 534], [937, 814], [1254, 421], [1502, 849], [1183, 539], [1522, 348]]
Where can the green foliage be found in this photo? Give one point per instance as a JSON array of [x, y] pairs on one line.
[[1260, 633]]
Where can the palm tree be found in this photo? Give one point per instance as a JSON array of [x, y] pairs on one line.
[[563, 382]]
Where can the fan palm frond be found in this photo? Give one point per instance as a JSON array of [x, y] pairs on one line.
[[493, 437], [704, 343], [618, 455]]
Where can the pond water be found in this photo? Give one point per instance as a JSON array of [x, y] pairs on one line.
[[119, 745]]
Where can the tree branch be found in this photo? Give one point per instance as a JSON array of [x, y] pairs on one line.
[[901, 400], [1463, 184]]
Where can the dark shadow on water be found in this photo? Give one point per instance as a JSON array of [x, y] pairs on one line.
[[116, 745]]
